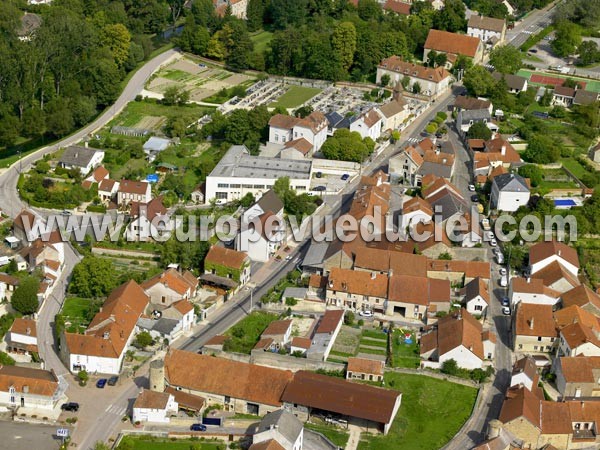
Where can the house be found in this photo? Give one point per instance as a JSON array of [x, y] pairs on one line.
[[239, 173], [253, 390], [524, 373], [282, 427], [327, 330], [531, 290], [498, 151], [97, 175], [27, 226], [395, 114], [414, 211], [356, 290], [226, 268], [457, 336], [133, 191], [583, 297], [197, 195], [102, 348], [84, 159], [437, 163], [153, 146], [154, 407], [413, 297], [534, 329], [279, 331], [368, 125], [358, 403], [403, 167], [22, 336], [462, 102], [238, 8], [364, 369], [398, 7], [453, 45], [149, 221], [457, 271], [334, 122], [543, 254], [446, 203], [563, 96], [170, 286], [433, 81], [487, 29], [578, 376], [578, 338], [168, 323], [46, 254], [509, 192], [515, 83], [25, 387], [312, 128], [8, 284], [477, 296], [521, 413], [300, 345], [107, 190], [262, 228], [297, 149], [467, 117], [583, 97]]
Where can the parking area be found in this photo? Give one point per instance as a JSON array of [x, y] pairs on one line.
[[17, 436]]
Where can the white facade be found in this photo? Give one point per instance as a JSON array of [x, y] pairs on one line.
[[316, 139], [373, 131], [430, 88], [257, 246], [142, 229], [489, 349], [521, 378], [280, 438], [156, 415], [509, 201], [95, 364], [94, 162], [585, 349], [280, 135], [464, 357], [477, 305], [124, 196], [529, 297], [12, 399], [486, 35]]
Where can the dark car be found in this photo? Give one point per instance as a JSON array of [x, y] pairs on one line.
[[319, 188], [198, 427], [475, 198], [101, 383], [113, 380], [71, 406], [345, 176], [319, 174]]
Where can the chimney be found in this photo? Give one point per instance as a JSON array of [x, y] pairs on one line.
[[528, 280], [559, 251], [531, 324], [373, 275], [28, 331], [106, 335], [503, 149]]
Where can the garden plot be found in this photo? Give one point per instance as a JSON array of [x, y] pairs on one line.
[[151, 123], [346, 342]]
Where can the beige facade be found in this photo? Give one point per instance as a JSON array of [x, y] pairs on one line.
[[534, 344]]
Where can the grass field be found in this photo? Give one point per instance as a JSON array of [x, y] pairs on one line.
[[334, 434], [404, 355], [261, 40], [591, 85], [75, 310], [432, 411], [246, 333], [557, 179], [295, 96], [139, 443], [574, 166], [136, 111]]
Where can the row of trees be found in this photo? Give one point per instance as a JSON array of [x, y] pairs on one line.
[[72, 65]]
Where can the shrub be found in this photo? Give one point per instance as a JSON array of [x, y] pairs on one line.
[[431, 128]]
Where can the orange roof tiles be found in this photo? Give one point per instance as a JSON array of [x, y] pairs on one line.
[[277, 327], [358, 282], [301, 342], [535, 320], [26, 327], [581, 296], [172, 279], [363, 365], [133, 187], [579, 369], [151, 400], [446, 42], [397, 64], [330, 320], [542, 250], [28, 380], [463, 329], [283, 121], [554, 272], [226, 257], [521, 402]]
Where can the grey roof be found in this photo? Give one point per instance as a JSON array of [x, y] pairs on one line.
[[512, 81], [439, 170], [475, 115], [156, 144], [165, 326], [511, 182], [315, 254], [450, 204], [583, 97], [288, 425], [238, 162], [270, 202], [448, 148], [294, 292], [472, 289], [334, 118], [78, 156], [216, 279]]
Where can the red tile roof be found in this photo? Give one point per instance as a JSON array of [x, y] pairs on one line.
[[446, 42], [397, 64]]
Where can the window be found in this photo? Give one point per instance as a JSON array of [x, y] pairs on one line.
[[478, 308], [235, 186], [520, 346], [221, 195], [247, 186], [535, 347], [259, 186], [222, 185], [539, 339], [227, 399], [163, 299]]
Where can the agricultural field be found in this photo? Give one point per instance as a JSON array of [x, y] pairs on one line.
[[151, 115], [199, 79], [557, 179]]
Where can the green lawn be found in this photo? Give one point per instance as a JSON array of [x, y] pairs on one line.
[[331, 432], [246, 333], [261, 40], [295, 96], [372, 351], [431, 413], [574, 166], [75, 310], [404, 355], [136, 111], [373, 342], [150, 443]]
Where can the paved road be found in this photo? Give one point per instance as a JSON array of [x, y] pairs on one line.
[[19, 436], [532, 24]]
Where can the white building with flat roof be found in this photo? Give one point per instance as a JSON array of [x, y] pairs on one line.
[[239, 173]]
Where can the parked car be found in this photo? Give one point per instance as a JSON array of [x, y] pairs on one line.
[[472, 187], [505, 301], [504, 281], [366, 313], [198, 427], [506, 311], [499, 258], [345, 177], [71, 406], [319, 188], [113, 380], [319, 174], [493, 242], [490, 235], [101, 383], [502, 271], [475, 198], [66, 213]]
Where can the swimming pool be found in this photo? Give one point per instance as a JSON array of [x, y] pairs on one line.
[[564, 202]]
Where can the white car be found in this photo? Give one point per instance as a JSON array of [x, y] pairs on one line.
[[493, 242], [504, 281], [472, 187], [506, 311], [490, 235], [366, 313], [502, 271]]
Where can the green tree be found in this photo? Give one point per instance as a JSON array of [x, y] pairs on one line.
[[588, 52], [117, 38], [506, 59], [9, 129], [92, 277], [282, 186], [343, 41], [541, 149], [451, 17], [533, 172], [479, 130], [349, 318], [83, 377], [6, 359], [567, 38], [255, 13], [478, 81], [143, 340], [385, 80], [24, 299]]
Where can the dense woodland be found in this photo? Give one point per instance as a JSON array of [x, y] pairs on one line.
[[72, 66]]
